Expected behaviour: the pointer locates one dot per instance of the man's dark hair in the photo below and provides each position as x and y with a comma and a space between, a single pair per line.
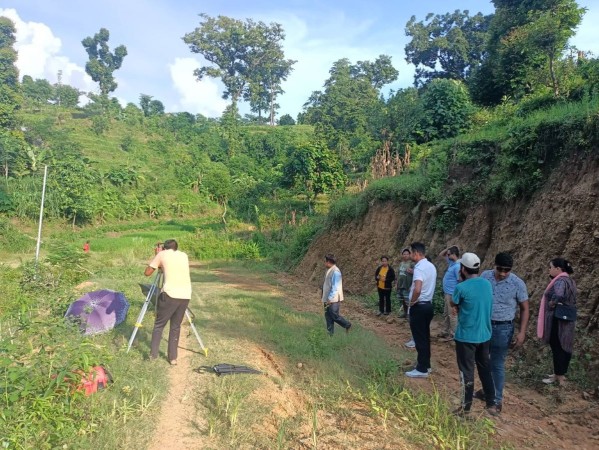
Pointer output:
454, 250
418, 247
563, 264
504, 259
470, 271
170, 244
385, 257
330, 258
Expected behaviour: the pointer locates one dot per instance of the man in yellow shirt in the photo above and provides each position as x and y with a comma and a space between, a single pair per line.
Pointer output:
174, 297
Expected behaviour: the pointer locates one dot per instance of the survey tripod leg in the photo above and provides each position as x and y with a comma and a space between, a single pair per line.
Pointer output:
144, 308
188, 314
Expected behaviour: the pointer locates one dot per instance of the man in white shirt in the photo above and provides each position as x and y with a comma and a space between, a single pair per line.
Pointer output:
332, 295
174, 297
421, 308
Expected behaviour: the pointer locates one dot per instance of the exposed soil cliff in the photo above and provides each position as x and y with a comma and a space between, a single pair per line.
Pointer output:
561, 219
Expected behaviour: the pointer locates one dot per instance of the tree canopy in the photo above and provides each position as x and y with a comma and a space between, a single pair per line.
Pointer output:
446, 45
246, 56
102, 62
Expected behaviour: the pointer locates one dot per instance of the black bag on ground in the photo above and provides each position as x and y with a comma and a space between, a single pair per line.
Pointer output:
564, 312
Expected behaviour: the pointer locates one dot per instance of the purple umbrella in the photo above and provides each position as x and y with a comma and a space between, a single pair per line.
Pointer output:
99, 311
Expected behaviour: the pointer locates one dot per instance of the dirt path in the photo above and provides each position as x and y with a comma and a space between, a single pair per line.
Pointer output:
529, 420
175, 428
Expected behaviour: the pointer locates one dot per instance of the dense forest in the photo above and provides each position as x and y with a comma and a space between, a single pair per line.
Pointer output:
497, 102
479, 81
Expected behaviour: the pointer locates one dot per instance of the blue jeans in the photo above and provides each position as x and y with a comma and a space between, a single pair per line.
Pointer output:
501, 338
332, 316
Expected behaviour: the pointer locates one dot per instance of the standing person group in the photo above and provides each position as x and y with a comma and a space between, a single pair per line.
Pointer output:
479, 315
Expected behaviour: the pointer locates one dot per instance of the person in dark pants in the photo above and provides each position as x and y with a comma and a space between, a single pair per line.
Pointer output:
404, 281
332, 295
557, 330
384, 277
174, 297
473, 303
421, 309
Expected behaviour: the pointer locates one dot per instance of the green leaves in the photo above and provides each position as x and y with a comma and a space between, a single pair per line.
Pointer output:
247, 56
102, 63
446, 46
313, 169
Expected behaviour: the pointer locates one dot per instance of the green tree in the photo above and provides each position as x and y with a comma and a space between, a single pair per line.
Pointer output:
405, 113
38, 91
349, 114
12, 143
446, 46
150, 107
548, 32
66, 95
102, 62
525, 39
313, 169
447, 109
10, 90
286, 119
246, 56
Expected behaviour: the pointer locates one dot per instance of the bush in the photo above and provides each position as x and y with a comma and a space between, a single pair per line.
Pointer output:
12, 240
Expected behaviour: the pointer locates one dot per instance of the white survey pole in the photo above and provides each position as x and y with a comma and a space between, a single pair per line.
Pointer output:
39, 230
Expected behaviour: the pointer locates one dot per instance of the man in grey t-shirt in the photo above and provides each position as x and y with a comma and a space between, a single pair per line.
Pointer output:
509, 295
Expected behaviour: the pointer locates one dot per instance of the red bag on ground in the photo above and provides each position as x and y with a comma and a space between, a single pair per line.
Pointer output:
97, 379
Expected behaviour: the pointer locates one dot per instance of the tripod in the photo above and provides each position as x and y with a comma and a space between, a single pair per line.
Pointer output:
144, 309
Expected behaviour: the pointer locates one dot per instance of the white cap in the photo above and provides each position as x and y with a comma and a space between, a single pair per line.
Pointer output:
470, 260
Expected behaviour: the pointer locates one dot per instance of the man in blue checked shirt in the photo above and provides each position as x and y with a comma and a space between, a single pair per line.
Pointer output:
332, 295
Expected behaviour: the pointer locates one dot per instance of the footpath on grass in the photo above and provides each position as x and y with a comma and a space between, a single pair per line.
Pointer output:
288, 407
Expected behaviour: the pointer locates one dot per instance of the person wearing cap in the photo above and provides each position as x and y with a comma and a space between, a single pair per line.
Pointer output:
332, 295
509, 296
450, 281
421, 309
473, 302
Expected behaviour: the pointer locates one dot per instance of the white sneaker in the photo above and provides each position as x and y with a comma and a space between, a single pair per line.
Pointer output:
410, 344
416, 374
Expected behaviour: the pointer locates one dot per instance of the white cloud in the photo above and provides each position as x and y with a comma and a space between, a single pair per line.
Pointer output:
204, 97
39, 54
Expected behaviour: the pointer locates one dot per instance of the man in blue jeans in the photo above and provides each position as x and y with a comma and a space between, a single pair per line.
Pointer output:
509, 295
332, 296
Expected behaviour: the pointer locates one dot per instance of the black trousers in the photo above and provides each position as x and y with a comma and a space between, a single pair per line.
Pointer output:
421, 315
172, 309
332, 316
561, 358
384, 300
468, 355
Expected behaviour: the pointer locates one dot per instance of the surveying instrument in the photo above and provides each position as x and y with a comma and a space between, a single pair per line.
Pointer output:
151, 294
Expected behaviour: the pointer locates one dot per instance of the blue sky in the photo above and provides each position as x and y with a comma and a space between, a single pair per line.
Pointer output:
49, 35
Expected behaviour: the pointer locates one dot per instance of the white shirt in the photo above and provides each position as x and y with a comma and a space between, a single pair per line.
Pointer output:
426, 272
